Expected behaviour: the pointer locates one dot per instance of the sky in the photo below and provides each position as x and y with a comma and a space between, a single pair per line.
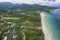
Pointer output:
42, 2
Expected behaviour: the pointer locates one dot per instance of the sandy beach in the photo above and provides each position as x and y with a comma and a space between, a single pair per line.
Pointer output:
45, 28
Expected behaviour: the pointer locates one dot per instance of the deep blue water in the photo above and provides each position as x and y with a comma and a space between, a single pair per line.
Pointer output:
53, 21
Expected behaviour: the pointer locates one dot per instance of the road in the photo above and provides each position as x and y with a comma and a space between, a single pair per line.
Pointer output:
23, 35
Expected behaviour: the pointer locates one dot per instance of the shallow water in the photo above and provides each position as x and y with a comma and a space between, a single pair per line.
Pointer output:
52, 22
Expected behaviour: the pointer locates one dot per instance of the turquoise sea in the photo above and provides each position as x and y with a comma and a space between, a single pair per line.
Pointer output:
52, 19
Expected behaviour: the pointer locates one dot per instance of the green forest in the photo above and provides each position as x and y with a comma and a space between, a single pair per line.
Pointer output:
22, 22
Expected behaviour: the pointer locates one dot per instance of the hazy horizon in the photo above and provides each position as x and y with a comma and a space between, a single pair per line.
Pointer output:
42, 2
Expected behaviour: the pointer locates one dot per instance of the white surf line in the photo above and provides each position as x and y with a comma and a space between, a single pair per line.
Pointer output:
44, 27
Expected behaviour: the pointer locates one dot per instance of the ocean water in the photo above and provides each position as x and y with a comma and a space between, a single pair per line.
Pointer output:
52, 25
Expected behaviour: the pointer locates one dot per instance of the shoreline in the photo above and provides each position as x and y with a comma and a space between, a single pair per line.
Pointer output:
46, 31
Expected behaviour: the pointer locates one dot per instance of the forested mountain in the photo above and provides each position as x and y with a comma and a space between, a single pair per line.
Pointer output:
5, 6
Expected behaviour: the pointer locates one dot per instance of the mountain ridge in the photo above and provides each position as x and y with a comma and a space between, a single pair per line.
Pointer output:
8, 6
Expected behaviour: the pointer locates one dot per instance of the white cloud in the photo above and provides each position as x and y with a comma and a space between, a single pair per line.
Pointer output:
42, 2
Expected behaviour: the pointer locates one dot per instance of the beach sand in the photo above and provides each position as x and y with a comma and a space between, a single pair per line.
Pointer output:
46, 31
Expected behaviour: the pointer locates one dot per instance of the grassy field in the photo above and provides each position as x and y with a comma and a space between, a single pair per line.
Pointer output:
24, 34
12, 18
29, 34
